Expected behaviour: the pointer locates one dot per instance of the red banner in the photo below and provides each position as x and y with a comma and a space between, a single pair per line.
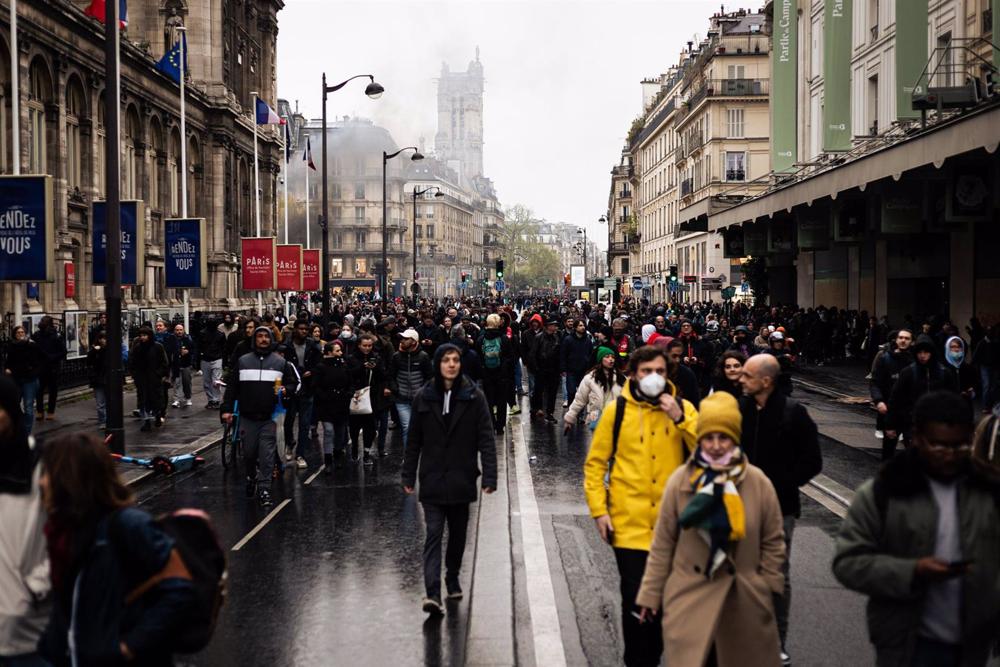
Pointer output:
69, 282
310, 270
257, 257
289, 258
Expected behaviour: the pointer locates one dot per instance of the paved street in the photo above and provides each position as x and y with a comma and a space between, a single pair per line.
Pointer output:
332, 573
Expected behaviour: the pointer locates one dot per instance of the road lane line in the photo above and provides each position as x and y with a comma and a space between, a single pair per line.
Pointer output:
834, 489
825, 500
256, 529
545, 630
314, 476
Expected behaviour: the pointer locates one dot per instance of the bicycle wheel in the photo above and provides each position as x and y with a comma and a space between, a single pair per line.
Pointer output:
236, 446
226, 444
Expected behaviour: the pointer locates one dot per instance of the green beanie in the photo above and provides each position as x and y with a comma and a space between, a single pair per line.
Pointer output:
603, 351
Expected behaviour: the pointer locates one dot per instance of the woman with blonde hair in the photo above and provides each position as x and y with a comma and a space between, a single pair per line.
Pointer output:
717, 552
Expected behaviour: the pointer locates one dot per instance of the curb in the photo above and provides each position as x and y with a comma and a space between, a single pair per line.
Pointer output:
202, 444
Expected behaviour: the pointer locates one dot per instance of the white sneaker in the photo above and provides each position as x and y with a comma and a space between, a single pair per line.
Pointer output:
785, 659
187, 403
176, 404
289, 454
301, 463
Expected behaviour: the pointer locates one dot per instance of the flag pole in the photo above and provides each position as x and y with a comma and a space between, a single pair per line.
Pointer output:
15, 143
284, 174
307, 193
184, 168
256, 191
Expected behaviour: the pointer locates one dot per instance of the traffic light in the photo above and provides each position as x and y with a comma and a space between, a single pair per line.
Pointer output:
499, 269
673, 273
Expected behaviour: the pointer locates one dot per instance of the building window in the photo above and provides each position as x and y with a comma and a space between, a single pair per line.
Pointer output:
360, 266
360, 239
736, 166
338, 267
74, 112
873, 19
429, 212
359, 190
945, 61
359, 215
174, 174
156, 141
38, 96
430, 231
420, 231
336, 241
130, 165
872, 110
734, 123
736, 72
335, 190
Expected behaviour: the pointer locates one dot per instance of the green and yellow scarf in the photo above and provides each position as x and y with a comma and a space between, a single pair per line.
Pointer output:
716, 508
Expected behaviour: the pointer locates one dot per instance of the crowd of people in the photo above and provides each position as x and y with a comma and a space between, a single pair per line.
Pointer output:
697, 453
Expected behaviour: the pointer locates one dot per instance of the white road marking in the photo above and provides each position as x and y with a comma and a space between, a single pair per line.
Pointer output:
545, 629
835, 490
256, 529
314, 476
825, 500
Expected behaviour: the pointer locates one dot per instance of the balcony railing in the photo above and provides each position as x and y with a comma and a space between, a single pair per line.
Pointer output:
874, 31
735, 87
623, 170
735, 175
625, 194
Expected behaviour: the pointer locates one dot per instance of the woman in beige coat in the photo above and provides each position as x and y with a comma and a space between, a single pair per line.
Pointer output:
717, 552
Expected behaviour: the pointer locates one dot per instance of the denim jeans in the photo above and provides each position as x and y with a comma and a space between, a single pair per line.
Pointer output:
572, 384
518, 388
382, 423
29, 390
404, 410
101, 399
335, 436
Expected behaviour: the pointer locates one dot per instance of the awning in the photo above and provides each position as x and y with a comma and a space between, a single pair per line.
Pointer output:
974, 131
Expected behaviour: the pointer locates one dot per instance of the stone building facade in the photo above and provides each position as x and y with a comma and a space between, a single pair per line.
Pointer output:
232, 52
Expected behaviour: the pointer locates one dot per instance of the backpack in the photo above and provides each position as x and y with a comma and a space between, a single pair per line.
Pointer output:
491, 353
616, 430
198, 545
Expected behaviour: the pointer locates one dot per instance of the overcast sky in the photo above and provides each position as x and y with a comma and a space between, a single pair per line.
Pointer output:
562, 80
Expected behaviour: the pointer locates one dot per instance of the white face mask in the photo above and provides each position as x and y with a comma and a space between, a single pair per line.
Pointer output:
652, 385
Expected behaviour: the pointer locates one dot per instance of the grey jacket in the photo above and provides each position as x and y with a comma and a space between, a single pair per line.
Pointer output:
891, 523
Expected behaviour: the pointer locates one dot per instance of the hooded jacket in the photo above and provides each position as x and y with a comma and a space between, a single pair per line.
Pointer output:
445, 450
577, 353
916, 380
650, 447
255, 378
334, 388
965, 376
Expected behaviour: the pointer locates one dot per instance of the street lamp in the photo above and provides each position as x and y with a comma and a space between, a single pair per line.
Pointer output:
415, 287
417, 155
374, 91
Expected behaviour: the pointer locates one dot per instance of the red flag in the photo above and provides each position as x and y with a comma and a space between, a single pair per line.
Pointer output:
97, 8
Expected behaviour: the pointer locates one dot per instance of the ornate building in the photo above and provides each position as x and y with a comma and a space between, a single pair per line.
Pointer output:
460, 119
232, 52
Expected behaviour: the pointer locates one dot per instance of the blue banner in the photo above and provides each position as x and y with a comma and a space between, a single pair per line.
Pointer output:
133, 244
27, 241
185, 266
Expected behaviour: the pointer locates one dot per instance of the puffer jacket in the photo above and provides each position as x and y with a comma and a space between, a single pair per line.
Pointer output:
650, 447
408, 371
891, 523
590, 396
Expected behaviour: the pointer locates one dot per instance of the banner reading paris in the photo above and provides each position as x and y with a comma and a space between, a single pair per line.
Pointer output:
257, 262
186, 265
310, 270
26, 229
289, 267
132, 244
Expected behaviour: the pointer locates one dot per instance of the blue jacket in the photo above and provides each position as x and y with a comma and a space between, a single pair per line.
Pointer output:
577, 354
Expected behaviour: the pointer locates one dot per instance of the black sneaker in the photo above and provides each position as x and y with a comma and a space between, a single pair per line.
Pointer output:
368, 457
549, 419
251, 487
454, 590
433, 606
264, 498
328, 464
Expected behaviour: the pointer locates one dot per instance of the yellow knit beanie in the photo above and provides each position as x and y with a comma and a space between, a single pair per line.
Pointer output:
720, 413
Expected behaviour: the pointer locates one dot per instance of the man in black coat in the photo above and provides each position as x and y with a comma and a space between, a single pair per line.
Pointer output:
54, 348
924, 375
211, 349
546, 358
303, 352
781, 439
885, 372
450, 435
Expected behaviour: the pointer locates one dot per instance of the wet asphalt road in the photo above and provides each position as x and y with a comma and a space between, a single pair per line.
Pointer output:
335, 577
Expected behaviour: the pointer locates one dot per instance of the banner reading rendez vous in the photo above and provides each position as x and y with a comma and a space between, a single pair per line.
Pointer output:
310, 270
257, 262
186, 262
27, 243
289, 267
133, 243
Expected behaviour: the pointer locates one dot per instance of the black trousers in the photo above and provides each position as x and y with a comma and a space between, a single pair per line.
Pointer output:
546, 388
497, 387
357, 423
435, 516
48, 379
643, 641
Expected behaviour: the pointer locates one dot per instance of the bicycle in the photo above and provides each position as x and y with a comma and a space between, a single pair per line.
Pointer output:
232, 442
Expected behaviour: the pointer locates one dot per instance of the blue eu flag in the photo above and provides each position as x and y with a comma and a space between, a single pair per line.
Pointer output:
170, 63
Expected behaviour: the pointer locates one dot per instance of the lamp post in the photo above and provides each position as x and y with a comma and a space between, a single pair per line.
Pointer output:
415, 287
374, 91
383, 272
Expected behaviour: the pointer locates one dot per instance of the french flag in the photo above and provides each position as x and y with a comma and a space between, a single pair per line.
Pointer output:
96, 10
266, 115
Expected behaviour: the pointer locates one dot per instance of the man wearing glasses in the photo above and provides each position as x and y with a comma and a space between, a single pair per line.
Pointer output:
922, 540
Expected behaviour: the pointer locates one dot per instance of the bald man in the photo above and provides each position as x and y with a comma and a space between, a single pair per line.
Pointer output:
781, 439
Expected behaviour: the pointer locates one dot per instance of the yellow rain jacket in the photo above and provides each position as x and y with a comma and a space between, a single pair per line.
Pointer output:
650, 448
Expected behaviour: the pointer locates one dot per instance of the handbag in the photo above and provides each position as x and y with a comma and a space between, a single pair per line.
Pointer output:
361, 403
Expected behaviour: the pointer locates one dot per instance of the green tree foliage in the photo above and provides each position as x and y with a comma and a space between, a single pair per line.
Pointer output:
529, 262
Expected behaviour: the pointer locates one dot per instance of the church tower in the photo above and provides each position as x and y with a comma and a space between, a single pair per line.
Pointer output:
460, 119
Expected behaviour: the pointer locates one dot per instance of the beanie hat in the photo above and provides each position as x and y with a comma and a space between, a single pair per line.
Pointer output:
720, 413
604, 351
647, 331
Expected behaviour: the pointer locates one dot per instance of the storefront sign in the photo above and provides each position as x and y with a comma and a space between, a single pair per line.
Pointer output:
289, 267
911, 55
780, 235
784, 60
902, 211
133, 243
27, 241
310, 270
837, 75
257, 262
754, 240
577, 276
186, 265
